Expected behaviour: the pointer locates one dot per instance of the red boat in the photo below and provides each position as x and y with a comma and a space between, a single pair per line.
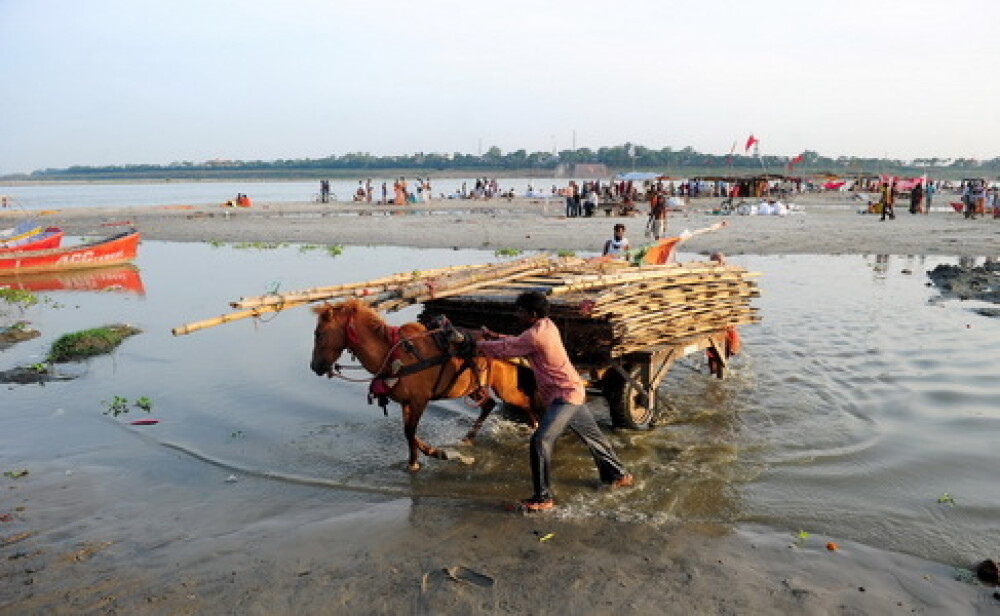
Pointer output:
115, 250
51, 237
120, 279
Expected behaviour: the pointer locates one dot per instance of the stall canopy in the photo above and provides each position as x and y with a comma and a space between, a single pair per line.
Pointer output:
637, 176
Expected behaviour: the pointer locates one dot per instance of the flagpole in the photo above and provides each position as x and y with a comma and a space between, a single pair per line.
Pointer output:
756, 152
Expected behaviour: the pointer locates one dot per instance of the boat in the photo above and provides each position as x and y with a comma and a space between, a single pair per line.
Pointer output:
115, 250
50, 237
22, 230
115, 278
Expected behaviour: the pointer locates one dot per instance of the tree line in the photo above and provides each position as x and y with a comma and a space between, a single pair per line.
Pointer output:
616, 158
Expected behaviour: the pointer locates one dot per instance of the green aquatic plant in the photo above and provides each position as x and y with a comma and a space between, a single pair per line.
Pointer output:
801, 537
566, 253
19, 298
308, 247
335, 250
119, 405
507, 252
89, 342
116, 406
216, 243
946, 499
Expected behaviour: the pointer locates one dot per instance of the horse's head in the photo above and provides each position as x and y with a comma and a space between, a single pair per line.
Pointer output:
331, 336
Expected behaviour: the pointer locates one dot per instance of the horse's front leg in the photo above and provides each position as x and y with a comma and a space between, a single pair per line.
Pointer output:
411, 417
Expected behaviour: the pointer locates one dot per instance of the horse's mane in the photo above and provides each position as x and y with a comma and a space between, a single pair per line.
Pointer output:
366, 316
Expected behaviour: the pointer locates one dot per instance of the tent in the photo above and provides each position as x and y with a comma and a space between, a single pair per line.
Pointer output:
637, 176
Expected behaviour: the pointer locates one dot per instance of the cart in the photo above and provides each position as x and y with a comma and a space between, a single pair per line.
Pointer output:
626, 369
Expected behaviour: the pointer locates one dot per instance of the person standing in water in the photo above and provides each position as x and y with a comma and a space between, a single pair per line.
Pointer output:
561, 391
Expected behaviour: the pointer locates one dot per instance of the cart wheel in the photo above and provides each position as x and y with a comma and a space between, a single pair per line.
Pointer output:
629, 408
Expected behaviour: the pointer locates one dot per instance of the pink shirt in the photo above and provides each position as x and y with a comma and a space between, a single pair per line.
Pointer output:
541, 345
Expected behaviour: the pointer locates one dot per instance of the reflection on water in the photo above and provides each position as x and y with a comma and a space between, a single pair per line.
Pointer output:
119, 279
857, 402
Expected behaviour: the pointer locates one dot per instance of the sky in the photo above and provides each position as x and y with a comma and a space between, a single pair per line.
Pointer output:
113, 82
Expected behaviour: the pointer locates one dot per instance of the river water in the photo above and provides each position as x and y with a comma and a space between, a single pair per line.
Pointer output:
57, 196
859, 402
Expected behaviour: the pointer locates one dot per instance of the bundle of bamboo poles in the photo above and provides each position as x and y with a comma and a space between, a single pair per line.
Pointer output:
604, 309
615, 310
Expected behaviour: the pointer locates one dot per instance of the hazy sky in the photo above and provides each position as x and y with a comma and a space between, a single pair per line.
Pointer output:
94, 82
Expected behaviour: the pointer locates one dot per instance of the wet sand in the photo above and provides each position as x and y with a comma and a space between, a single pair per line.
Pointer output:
99, 540
346, 554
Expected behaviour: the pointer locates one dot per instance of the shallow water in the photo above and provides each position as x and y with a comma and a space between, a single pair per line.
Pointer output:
858, 402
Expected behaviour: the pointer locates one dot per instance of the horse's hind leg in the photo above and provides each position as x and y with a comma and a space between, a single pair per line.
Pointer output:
486, 407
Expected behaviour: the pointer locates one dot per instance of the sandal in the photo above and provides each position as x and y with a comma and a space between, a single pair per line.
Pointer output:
537, 504
625, 481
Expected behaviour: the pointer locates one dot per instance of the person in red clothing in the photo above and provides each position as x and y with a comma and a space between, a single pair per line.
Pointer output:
561, 391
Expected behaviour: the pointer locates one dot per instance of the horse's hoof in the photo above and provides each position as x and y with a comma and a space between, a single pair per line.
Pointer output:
413, 468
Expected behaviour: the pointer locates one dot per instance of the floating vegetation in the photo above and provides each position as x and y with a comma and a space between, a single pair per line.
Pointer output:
259, 245
89, 342
17, 332
335, 250
119, 405
308, 247
566, 253
216, 243
19, 298
507, 252
116, 406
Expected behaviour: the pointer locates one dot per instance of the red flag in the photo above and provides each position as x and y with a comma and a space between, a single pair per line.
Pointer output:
750, 141
798, 159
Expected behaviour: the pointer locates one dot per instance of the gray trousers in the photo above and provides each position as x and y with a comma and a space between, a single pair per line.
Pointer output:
578, 418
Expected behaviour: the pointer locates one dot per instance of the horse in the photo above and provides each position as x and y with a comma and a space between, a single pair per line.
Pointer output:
413, 365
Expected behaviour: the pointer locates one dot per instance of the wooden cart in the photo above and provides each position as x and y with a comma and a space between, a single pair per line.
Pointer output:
623, 331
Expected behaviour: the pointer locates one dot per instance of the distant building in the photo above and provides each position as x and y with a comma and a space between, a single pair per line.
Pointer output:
590, 170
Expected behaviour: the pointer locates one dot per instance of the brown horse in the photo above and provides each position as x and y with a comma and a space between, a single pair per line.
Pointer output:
410, 367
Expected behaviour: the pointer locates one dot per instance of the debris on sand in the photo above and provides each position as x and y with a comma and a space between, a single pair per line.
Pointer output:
968, 282
988, 573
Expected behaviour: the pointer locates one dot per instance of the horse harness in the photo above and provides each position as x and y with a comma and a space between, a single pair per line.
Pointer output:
393, 368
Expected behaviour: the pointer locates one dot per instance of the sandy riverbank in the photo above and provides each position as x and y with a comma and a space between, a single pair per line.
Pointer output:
830, 224
102, 541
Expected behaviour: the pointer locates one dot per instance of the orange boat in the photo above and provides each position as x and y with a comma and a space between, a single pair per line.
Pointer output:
116, 250
121, 279
51, 237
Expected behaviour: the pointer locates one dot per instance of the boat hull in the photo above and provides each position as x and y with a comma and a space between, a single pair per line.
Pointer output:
115, 250
49, 238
